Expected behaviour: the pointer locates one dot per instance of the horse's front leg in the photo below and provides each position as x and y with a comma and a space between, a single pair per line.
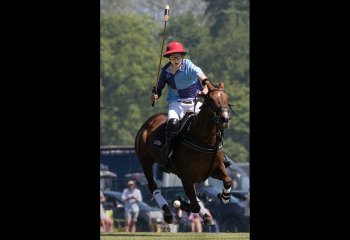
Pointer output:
196, 205
162, 203
221, 174
191, 194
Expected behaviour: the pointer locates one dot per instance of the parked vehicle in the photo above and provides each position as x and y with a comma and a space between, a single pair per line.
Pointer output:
240, 178
106, 177
230, 217
123, 160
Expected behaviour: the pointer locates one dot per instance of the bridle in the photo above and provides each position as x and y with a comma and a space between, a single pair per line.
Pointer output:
214, 111
217, 110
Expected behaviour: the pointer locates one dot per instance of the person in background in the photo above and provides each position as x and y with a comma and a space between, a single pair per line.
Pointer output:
195, 222
131, 196
106, 222
183, 221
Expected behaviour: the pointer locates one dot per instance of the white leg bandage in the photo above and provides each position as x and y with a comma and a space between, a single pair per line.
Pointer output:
202, 211
227, 191
159, 198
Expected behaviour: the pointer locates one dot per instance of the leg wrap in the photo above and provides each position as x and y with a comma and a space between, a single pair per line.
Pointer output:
202, 211
227, 190
225, 196
159, 198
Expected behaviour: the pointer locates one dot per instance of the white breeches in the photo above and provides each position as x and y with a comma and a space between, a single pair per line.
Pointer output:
178, 109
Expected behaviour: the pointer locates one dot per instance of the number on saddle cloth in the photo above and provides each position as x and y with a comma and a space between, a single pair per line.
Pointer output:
159, 137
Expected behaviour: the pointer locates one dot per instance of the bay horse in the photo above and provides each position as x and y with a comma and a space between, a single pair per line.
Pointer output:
196, 156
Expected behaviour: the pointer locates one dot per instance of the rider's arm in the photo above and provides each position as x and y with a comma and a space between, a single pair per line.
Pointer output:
139, 196
197, 71
161, 84
124, 197
202, 77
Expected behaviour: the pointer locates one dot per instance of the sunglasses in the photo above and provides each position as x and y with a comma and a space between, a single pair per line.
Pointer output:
175, 58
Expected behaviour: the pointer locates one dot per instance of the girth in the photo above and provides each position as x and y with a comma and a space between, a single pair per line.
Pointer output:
208, 149
186, 140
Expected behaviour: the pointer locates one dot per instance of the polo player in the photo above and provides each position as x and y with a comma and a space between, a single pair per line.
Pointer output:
184, 84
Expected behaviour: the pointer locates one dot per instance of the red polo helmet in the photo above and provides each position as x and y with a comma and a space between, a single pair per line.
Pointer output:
174, 47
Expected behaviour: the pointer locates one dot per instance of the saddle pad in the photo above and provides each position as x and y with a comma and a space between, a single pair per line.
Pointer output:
158, 138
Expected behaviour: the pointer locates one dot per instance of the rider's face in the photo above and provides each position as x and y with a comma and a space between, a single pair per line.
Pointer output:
175, 59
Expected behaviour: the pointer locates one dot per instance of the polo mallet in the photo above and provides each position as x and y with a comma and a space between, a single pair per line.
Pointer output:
166, 18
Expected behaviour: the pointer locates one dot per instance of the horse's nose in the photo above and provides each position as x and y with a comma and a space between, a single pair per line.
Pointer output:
224, 119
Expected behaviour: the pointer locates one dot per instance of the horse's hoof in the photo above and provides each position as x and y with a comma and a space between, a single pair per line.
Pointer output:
208, 220
168, 216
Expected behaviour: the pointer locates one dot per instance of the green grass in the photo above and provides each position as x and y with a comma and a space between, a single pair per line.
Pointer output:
176, 236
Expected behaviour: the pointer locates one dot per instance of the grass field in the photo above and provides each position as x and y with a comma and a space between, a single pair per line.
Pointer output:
176, 236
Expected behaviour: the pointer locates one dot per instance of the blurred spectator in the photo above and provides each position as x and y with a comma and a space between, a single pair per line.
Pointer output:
131, 195
106, 222
195, 222
182, 218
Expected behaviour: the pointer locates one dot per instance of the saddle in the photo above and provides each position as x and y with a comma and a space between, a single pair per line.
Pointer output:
159, 138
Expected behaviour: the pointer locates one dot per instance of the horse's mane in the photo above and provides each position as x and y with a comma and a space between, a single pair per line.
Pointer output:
215, 85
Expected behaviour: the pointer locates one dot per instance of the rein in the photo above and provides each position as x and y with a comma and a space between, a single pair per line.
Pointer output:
207, 148
219, 133
216, 118
189, 142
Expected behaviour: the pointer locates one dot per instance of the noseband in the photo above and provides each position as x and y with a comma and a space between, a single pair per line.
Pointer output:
216, 116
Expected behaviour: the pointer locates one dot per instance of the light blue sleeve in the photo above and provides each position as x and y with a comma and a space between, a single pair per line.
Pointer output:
193, 69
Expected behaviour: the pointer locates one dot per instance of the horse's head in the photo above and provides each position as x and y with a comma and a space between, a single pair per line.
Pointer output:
216, 100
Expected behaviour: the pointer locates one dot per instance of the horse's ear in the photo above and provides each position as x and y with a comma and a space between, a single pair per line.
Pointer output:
210, 87
221, 85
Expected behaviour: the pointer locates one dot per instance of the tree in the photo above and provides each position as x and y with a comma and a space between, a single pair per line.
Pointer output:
128, 63
216, 35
